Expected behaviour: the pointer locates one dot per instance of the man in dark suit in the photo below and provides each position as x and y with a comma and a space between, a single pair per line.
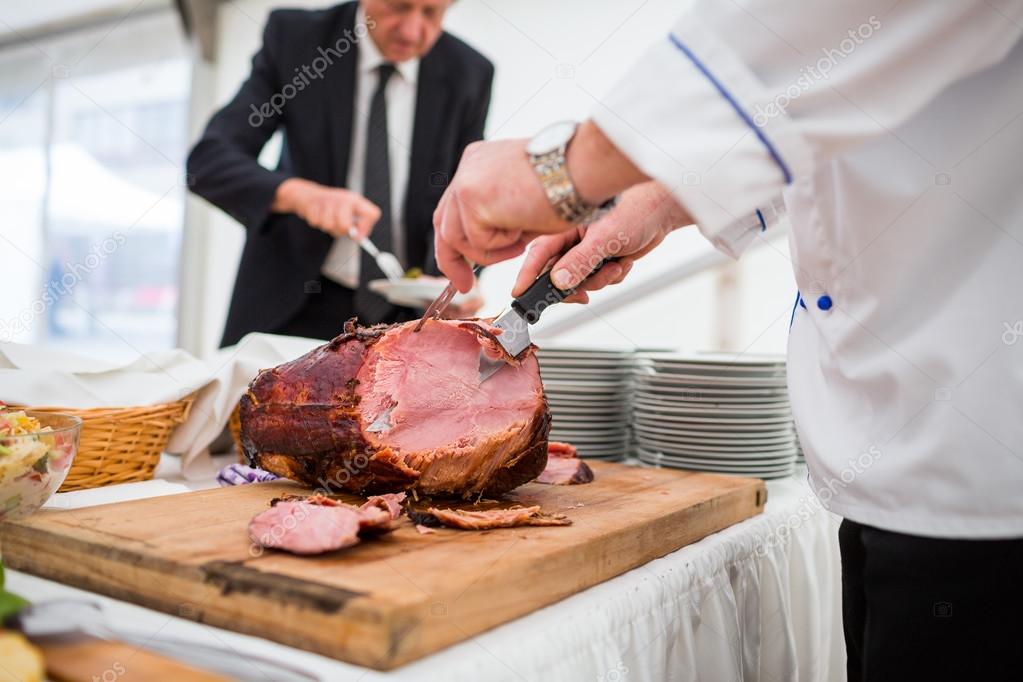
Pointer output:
376, 104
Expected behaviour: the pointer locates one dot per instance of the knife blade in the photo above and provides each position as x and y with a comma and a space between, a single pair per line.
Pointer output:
525, 310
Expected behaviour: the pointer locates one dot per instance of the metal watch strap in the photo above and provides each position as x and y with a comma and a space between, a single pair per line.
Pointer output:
561, 191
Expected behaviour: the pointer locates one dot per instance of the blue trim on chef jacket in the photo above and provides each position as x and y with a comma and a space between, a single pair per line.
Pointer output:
735, 105
763, 223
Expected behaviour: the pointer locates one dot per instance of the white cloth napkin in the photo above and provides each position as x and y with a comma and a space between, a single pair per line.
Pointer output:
38, 375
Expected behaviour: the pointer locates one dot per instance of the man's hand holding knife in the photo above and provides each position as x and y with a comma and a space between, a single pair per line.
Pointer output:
496, 204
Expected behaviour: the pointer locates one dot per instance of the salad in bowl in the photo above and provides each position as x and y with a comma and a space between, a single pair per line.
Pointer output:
36, 450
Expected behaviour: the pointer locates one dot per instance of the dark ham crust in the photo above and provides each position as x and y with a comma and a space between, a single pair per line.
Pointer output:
301, 420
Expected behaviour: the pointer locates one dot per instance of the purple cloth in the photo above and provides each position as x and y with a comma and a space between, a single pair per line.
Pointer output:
238, 474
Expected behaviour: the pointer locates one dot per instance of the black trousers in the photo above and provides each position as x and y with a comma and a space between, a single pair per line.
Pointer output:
917, 608
326, 311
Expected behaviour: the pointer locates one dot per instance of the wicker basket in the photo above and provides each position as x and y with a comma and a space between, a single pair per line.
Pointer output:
120, 444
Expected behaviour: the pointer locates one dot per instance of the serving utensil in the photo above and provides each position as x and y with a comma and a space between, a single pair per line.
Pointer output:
388, 262
514, 321
441, 303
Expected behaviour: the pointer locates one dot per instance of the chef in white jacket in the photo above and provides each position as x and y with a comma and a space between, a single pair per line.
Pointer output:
892, 133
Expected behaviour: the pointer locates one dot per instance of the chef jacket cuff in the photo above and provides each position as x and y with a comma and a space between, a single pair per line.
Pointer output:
687, 115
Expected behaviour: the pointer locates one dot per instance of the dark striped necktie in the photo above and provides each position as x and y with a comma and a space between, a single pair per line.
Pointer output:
376, 183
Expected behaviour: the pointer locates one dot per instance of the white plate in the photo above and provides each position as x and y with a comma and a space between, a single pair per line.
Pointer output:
753, 430
579, 398
783, 438
584, 363
717, 451
736, 411
648, 375
644, 387
645, 405
780, 463
414, 293
703, 370
576, 407
720, 416
599, 385
711, 358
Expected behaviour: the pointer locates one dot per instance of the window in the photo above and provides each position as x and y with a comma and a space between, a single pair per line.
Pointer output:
93, 133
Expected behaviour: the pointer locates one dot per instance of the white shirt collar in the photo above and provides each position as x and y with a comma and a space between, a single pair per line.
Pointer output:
370, 57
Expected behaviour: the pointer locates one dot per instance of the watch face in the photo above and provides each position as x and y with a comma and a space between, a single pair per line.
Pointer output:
551, 138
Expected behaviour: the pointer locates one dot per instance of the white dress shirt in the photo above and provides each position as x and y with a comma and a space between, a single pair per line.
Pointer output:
894, 133
342, 263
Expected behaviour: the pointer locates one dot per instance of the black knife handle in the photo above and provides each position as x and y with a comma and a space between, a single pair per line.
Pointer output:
542, 294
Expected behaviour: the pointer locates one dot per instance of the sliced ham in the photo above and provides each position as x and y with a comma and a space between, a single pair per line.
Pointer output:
497, 518
318, 523
389, 502
303, 528
386, 409
564, 467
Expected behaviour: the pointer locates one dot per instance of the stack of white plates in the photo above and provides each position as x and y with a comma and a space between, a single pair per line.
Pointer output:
714, 412
588, 392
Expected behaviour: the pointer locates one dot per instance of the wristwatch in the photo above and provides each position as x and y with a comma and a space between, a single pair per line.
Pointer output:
547, 155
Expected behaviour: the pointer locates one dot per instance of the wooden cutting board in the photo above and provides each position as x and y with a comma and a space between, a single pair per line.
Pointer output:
388, 600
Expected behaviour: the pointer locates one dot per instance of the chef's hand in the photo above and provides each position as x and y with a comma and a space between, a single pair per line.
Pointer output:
330, 209
495, 204
644, 216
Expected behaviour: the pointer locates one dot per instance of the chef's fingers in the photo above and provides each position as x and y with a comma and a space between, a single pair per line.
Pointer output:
453, 264
449, 244
541, 252
608, 274
579, 262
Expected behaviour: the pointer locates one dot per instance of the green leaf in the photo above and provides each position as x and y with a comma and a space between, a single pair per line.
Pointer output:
10, 604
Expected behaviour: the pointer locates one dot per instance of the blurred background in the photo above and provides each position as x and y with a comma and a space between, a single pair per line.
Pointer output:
104, 252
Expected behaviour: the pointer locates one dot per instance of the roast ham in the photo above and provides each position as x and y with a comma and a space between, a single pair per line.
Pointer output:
386, 409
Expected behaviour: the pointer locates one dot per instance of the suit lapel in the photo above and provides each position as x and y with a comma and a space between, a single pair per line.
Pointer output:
432, 95
338, 114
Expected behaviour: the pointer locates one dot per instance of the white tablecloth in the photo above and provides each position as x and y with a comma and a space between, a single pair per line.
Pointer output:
757, 601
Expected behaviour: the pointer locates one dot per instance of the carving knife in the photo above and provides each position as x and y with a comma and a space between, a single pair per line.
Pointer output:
515, 320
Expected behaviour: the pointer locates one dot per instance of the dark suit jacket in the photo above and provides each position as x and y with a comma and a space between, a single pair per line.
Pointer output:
283, 253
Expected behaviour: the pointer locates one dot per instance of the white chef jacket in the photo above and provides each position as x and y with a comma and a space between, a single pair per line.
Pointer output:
343, 260
894, 134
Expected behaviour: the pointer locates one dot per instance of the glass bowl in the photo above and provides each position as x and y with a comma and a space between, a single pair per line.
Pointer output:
33, 465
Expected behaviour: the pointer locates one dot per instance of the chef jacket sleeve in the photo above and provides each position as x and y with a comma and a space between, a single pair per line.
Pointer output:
740, 99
